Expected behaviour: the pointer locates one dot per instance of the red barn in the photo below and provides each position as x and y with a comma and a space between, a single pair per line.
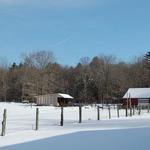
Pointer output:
137, 96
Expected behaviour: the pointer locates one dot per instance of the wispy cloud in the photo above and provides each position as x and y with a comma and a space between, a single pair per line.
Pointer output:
9, 2
49, 2
55, 3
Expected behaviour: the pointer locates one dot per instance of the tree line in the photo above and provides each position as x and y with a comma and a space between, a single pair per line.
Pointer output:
102, 79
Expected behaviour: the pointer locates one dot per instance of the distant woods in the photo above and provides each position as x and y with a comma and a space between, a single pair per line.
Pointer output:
102, 79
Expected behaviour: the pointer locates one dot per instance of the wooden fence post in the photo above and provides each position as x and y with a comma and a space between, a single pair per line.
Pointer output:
98, 112
148, 109
109, 112
133, 110
139, 110
80, 114
118, 111
114, 106
37, 119
130, 111
62, 116
4, 123
126, 111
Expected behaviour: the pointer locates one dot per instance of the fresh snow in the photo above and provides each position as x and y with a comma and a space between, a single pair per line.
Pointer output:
118, 133
142, 93
65, 95
135, 139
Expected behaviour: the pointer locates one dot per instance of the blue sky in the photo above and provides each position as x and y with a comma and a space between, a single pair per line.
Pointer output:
74, 28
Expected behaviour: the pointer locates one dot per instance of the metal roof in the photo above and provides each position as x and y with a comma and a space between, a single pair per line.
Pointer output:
65, 96
137, 93
60, 95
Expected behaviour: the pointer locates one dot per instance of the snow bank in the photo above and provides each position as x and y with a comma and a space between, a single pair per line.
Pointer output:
135, 139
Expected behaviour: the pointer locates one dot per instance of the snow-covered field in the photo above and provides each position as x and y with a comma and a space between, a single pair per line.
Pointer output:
118, 133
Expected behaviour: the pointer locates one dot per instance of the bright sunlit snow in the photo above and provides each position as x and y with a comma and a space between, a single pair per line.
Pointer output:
118, 133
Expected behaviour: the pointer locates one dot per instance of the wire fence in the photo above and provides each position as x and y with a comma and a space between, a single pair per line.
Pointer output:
26, 118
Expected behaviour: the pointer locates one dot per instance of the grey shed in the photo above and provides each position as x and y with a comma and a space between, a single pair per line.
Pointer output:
57, 99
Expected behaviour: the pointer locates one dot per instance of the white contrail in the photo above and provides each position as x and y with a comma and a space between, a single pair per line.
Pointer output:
62, 42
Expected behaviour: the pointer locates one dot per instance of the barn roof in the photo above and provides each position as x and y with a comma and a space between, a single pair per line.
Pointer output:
137, 93
65, 96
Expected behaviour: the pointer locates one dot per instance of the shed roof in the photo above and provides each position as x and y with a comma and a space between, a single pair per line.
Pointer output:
59, 95
137, 93
65, 96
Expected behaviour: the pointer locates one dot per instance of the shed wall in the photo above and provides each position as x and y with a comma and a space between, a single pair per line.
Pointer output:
47, 100
134, 101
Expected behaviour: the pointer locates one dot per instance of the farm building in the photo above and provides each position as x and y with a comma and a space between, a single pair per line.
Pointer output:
137, 97
57, 99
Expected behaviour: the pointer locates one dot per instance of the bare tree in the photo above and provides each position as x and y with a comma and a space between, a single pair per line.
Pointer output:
3, 78
39, 59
